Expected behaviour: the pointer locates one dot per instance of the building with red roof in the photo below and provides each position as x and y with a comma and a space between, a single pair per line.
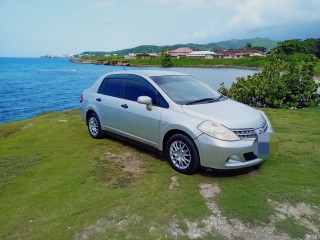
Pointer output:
180, 52
240, 53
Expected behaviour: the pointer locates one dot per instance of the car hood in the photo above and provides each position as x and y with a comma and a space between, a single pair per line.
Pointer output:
229, 113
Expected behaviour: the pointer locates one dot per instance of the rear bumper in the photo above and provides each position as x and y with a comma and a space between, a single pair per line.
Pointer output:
83, 112
220, 154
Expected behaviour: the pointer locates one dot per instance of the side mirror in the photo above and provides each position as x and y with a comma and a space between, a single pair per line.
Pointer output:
145, 100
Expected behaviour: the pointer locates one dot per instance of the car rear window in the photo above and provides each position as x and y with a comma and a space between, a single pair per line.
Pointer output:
112, 87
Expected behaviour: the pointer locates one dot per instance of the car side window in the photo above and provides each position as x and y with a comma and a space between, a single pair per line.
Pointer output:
102, 88
136, 87
112, 86
162, 102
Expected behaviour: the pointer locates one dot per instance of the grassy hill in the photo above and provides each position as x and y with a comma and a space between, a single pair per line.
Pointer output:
58, 183
215, 46
239, 44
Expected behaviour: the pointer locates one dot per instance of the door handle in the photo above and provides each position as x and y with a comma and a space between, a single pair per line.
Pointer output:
124, 105
98, 99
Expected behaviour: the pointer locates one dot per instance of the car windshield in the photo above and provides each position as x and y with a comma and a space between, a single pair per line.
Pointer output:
185, 89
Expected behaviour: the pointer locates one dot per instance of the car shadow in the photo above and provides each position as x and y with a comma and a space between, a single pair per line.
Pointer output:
137, 146
221, 173
159, 155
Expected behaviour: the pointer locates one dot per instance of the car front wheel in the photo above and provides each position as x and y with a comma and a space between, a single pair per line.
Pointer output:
182, 154
94, 126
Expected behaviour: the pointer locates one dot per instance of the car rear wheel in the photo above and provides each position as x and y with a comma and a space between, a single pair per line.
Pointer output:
94, 126
182, 154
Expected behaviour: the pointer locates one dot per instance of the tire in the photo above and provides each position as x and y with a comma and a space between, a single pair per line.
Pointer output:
94, 126
182, 154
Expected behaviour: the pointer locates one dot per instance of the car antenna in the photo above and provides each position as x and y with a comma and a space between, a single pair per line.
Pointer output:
124, 68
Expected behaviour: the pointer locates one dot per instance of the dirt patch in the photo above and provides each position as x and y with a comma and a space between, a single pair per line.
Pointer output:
102, 225
232, 228
209, 190
128, 161
174, 182
26, 126
173, 230
117, 169
98, 227
123, 224
305, 214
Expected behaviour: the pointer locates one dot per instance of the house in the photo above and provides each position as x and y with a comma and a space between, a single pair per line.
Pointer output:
240, 53
201, 54
153, 54
140, 55
130, 56
180, 52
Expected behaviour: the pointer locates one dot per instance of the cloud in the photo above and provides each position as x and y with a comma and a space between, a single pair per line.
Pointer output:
252, 14
213, 29
247, 16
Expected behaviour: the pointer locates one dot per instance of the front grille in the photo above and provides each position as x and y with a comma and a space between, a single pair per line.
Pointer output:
264, 127
249, 132
245, 133
249, 156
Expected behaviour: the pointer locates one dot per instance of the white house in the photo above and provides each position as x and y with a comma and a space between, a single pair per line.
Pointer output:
130, 56
201, 54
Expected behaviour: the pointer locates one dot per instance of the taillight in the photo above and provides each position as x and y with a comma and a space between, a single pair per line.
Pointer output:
81, 98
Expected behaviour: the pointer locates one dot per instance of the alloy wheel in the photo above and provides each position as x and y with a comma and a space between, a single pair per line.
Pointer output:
180, 154
93, 126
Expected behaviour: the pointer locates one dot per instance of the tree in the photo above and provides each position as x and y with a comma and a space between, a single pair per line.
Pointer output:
308, 46
167, 61
164, 51
248, 46
289, 47
259, 48
281, 84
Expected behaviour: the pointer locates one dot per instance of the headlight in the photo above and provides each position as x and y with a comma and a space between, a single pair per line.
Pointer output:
218, 131
270, 128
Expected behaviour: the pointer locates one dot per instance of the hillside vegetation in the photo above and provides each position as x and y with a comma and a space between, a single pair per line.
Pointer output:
58, 183
289, 51
215, 46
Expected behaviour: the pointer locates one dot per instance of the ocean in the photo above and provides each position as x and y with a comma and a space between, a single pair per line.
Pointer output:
32, 86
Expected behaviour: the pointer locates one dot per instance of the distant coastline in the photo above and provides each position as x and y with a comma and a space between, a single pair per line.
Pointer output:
120, 63
57, 56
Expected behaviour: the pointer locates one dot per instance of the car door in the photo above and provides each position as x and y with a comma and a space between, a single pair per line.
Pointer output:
139, 122
108, 102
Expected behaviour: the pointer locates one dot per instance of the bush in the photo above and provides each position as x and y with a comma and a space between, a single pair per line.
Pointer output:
167, 61
281, 84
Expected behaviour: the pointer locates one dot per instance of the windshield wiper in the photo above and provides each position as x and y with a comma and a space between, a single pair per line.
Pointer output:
221, 96
202, 100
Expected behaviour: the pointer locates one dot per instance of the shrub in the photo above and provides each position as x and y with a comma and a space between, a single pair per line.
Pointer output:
281, 84
167, 61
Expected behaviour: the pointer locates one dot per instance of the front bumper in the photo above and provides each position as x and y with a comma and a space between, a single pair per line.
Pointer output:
218, 154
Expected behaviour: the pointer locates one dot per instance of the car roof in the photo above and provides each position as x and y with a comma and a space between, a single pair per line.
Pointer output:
149, 73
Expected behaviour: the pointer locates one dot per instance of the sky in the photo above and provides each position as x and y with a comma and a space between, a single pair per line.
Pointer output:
31, 28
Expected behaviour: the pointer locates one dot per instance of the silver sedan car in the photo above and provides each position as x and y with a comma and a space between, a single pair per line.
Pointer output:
178, 114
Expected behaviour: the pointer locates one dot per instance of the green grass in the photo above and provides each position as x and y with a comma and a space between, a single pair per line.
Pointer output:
294, 229
58, 183
248, 62
317, 71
